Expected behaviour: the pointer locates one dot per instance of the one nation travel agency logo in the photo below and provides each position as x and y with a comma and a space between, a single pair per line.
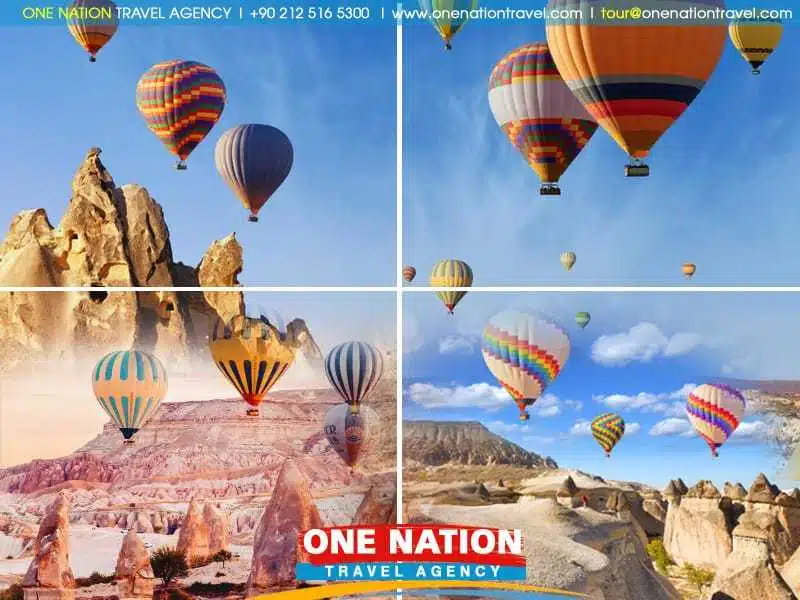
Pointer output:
411, 553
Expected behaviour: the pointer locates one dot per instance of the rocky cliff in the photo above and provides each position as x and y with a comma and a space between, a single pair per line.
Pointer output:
109, 236
436, 443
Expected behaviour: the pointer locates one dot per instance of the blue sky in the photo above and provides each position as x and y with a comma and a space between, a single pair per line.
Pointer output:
721, 190
330, 88
636, 357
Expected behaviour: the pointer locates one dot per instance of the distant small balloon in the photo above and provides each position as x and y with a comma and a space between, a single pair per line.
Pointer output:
607, 430
756, 39
451, 273
568, 260
409, 273
351, 434
582, 319
92, 23
689, 270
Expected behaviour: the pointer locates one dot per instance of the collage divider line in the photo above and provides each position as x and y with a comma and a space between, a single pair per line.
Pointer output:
399, 290
398, 344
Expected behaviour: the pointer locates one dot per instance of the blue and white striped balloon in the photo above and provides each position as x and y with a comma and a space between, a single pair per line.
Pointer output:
354, 369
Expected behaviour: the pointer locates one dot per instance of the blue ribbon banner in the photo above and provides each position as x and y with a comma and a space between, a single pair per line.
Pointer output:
408, 572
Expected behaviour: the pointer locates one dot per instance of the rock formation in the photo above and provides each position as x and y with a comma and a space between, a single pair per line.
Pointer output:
49, 575
436, 443
748, 572
204, 531
697, 528
378, 506
133, 572
735, 492
108, 237
276, 550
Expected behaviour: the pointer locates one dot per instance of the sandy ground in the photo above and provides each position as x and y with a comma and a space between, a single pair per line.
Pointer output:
96, 549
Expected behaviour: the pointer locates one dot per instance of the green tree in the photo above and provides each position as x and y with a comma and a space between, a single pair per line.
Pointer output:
658, 554
222, 556
699, 578
168, 564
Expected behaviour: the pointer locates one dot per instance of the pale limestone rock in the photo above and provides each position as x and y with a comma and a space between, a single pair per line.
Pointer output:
50, 567
134, 574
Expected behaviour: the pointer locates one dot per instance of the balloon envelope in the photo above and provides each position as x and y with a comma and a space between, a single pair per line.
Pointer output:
353, 370
538, 112
568, 260
689, 269
636, 77
92, 23
582, 319
607, 430
448, 16
715, 411
129, 385
181, 101
351, 434
254, 160
756, 39
251, 355
451, 273
409, 273
525, 353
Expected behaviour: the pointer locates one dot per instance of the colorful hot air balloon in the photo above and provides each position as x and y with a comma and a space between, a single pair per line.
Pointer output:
568, 260
354, 369
92, 23
525, 353
636, 77
129, 385
688, 269
451, 273
539, 113
409, 273
756, 39
607, 430
715, 411
448, 16
252, 355
181, 101
351, 435
582, 319
254, 160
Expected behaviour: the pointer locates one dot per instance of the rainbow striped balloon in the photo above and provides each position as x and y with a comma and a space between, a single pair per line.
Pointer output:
525, 353
715, 411
129, 386
181, 101
607, 430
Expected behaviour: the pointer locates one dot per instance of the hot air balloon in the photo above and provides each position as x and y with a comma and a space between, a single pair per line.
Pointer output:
756, 39
451, 273
568, 260
92, 23
409, 273
254, 160
607, 430
252, 354
689, 269
129, 385
539, 113
525, 353
448, 16
582, 319
354, 369
715, 412
636, 77
181, 101
351, 435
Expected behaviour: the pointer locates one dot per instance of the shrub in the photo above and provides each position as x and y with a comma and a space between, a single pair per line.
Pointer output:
697, 577
14, 592
215, 589
9, 557
222, 556
168, 564
200, 561
658, 554
94, 579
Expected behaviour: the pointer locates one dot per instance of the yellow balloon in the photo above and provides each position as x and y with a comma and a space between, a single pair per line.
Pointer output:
689, 269
756, 40
451, 273
252, 355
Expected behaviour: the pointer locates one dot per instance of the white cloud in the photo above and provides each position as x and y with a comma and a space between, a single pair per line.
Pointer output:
632, 428
667, 403
753, 431
502, 428
672, 426
581, 428
641, 343
575, 405
546, 406
538, 440
477, 395
456, 344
